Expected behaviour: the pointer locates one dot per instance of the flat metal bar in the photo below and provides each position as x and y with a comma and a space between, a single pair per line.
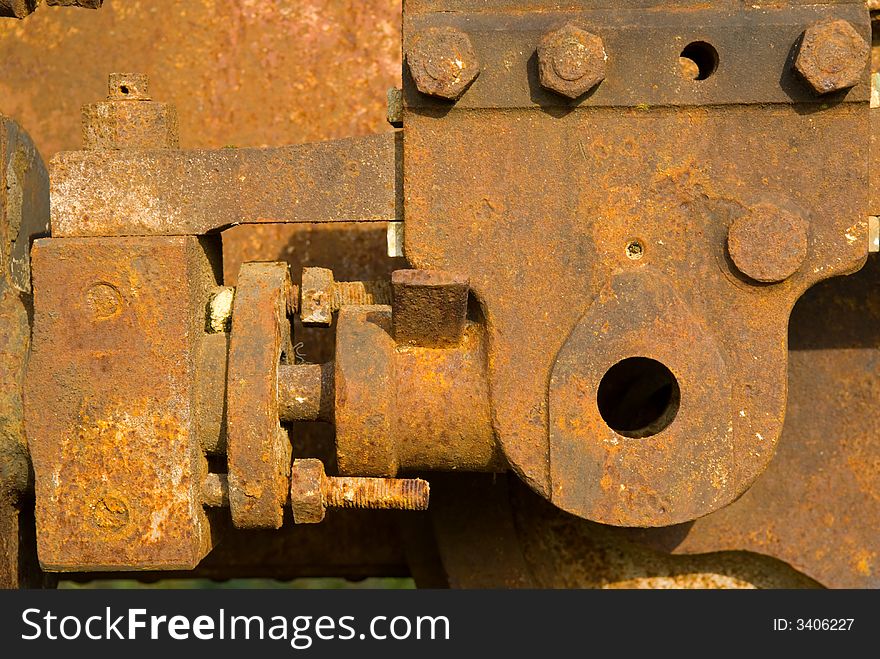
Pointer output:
178, 192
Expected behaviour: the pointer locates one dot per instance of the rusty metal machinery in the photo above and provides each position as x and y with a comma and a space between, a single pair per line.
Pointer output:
611, 336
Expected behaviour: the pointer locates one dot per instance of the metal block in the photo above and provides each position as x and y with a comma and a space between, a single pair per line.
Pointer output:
109, 400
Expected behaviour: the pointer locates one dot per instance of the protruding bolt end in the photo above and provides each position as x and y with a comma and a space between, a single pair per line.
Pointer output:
873, 234
395, 107
442, 62
832, 56
571, 61
312, 492
768, 244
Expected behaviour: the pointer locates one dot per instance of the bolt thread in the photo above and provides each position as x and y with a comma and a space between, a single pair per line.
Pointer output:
376, 493
361, 292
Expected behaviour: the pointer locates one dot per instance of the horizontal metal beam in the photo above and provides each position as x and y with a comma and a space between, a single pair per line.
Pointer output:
177, 192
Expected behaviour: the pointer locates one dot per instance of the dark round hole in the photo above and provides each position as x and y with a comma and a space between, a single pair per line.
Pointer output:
638, 397
698, 60
124, 89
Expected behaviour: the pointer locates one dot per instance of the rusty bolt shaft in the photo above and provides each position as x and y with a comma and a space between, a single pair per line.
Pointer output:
376, 493
312, 492
321, 295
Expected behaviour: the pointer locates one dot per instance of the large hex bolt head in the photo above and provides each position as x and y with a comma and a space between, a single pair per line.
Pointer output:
571, 61
768, 244
442, 62
832, 56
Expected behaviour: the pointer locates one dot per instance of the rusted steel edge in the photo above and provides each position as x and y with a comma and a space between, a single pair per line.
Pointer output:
193, 192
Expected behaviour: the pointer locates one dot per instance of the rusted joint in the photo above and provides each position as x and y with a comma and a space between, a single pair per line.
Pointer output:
306, 392
312, 492
321, 295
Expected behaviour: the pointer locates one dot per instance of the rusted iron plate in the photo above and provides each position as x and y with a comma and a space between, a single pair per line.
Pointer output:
258, 449
642, 49
118, 464
589, 185
642, 475
172, 192
818, 504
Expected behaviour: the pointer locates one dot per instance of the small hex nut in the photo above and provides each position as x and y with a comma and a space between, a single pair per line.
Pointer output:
832, 56
442, 62
306, 491
571, 61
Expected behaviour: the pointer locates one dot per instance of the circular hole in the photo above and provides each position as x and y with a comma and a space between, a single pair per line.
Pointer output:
124, 89
698, 60
638, 397
635, 250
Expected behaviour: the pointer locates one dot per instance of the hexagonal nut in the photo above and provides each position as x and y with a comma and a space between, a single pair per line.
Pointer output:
316, 296
832, 56
571, 61
442, 62
306, 491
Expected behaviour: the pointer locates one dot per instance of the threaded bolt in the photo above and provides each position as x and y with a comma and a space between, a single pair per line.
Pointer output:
321, 295
312, 492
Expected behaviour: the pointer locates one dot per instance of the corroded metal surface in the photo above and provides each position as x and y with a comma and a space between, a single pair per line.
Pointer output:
767, 243
817, 504
24, 205
571, 60
305, 392
524, 542
312, 492
832, 56
129, 118
257, 447
430, 308
171, 192
118, 463
403, 407
442, 62
245, 72
537, 176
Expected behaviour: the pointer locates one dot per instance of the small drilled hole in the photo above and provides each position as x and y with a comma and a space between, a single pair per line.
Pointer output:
635, 250
124, 89
698, 60
638, 397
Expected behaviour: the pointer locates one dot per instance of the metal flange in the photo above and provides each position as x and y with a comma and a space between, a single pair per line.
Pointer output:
258, 449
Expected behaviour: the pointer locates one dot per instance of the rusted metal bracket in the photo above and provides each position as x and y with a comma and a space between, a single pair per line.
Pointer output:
666, 248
